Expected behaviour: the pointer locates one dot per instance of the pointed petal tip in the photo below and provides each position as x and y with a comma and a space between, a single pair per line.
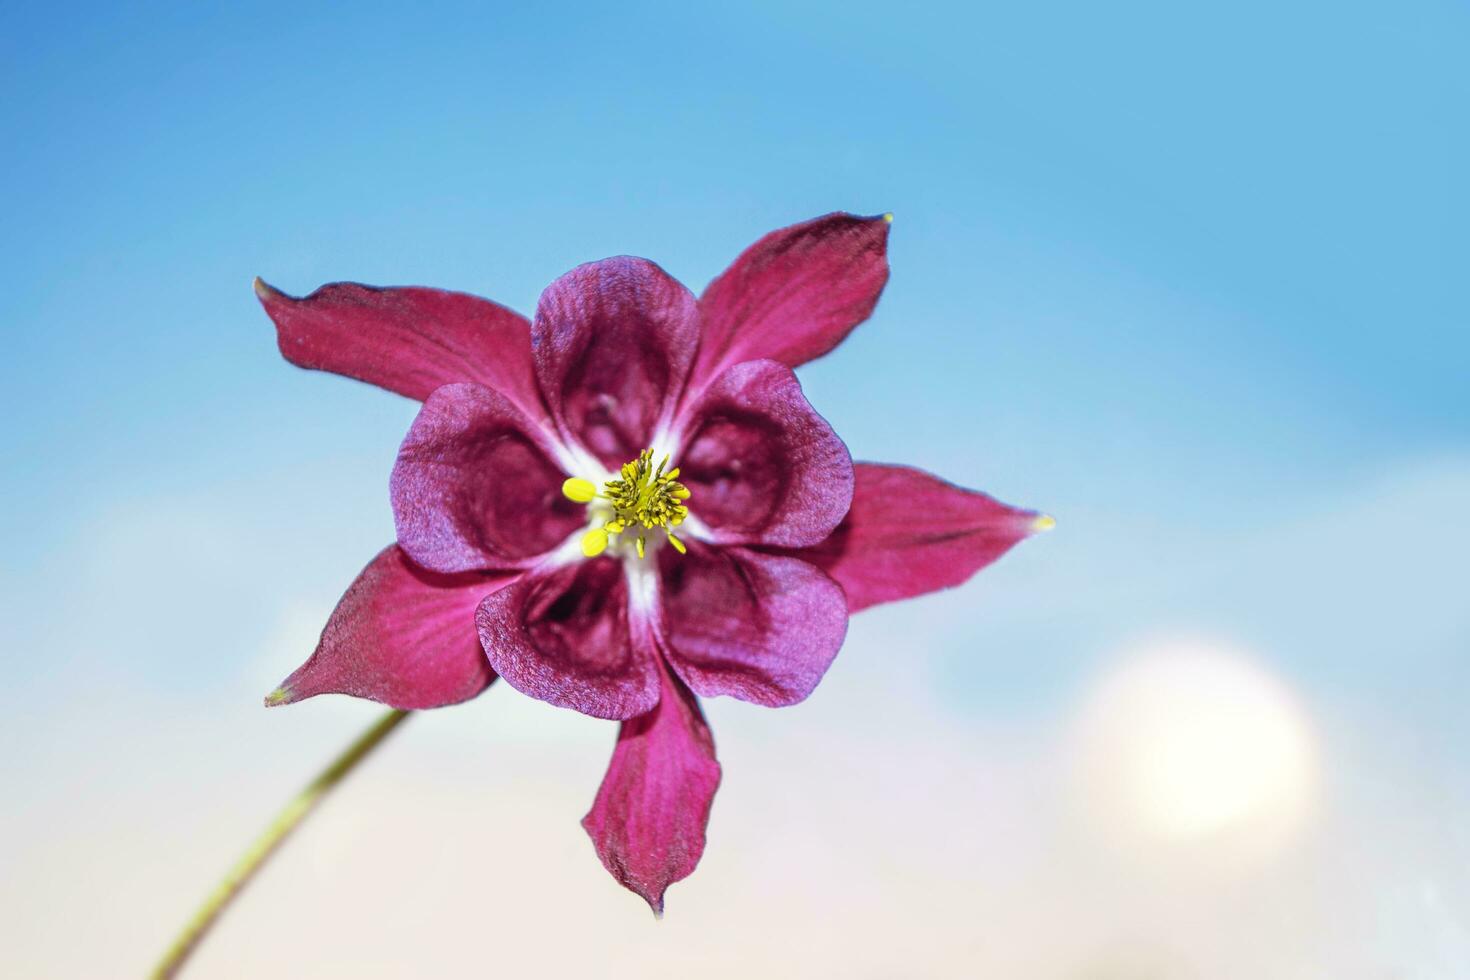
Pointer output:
1042, 523
887, 217
655, 900
264, 290
281, 695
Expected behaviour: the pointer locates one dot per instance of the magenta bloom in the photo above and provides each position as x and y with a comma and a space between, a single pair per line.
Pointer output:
627, 502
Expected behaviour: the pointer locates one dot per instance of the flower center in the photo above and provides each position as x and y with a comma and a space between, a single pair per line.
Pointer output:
641, 497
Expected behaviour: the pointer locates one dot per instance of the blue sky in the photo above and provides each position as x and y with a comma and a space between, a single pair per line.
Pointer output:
1190, 279
1199, 266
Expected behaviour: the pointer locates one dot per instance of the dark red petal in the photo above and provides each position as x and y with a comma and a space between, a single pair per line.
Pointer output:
564, 637
648, 820
410, 340
402, 636
795, 294
762, 466
762, 628
474, 488
909, 533
612, 343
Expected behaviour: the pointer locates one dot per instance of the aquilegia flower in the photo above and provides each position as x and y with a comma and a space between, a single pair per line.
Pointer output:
628, 502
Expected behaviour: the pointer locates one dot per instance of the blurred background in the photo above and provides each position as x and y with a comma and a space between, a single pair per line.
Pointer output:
1191, 279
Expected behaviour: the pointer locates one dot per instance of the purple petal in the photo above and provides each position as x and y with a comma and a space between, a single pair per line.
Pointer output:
909, 533
763, 467
793, 295
474, 488
648, 820
410, 340
612, 342
564, 637
402, 636
762, 628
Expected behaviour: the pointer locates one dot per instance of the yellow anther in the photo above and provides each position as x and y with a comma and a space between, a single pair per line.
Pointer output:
582, 491
1043, 522
644, 496
594, 542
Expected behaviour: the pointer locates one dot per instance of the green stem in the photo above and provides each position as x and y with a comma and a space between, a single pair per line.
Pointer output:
264, 845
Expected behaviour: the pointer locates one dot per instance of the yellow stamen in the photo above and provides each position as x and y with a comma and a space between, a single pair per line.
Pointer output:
594, 542
1043, 522
644, 496
582, 491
